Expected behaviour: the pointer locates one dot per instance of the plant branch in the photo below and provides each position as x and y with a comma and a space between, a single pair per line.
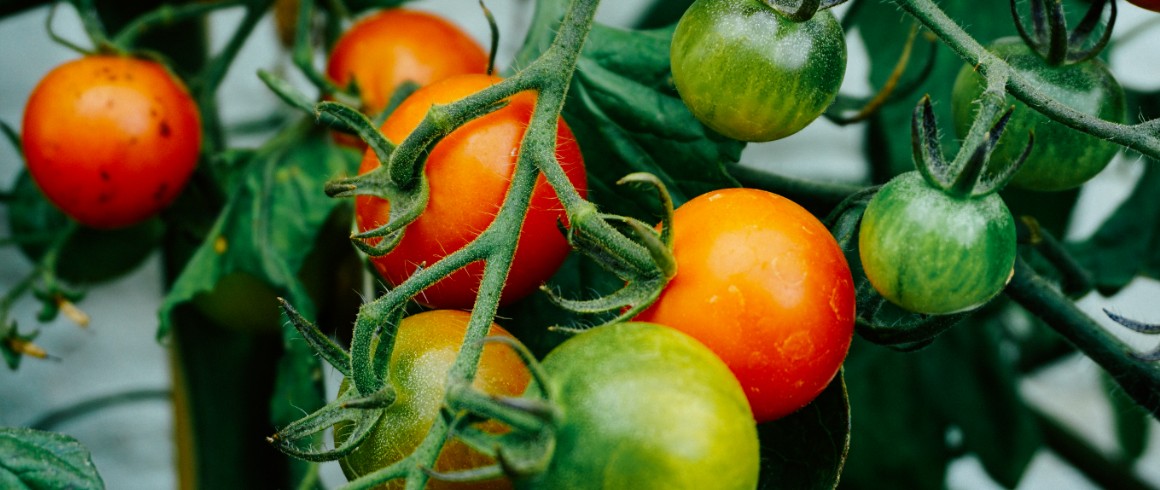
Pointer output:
1138, 378
1138, 137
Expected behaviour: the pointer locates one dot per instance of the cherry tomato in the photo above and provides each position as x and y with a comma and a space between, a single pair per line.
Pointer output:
392, 46
469, 172
646, 407
750, 74
425, 348
111, 140
1062, 158
929, 252
1153, 5
765, 286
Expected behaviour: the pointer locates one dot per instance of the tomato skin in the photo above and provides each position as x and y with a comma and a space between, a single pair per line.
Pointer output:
468, 173
392, 46
111, 140
765, 286
932, 253
750, 74
1153, 5
1062, 158
425, 349
646, 407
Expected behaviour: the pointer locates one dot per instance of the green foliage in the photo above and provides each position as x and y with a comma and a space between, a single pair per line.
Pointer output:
34, 460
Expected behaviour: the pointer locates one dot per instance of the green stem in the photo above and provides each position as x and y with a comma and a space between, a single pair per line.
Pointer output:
51, 420
1100, 469
205, 85
1136, 137
808, 193
165, 15
1138, 378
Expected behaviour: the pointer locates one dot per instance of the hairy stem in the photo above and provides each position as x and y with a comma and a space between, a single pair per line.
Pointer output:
1136, 137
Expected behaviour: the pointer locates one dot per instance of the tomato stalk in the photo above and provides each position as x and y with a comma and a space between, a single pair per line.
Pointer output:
1138, 377
1141, 137
164, 15
1075, 281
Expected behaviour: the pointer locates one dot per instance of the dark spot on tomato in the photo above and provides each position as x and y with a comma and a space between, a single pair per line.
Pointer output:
104, 198
105, 176
159, 194
165, 129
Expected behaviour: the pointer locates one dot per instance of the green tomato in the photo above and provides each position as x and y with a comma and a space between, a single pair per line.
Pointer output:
750, 74
929, 252
646, 407
1062, 158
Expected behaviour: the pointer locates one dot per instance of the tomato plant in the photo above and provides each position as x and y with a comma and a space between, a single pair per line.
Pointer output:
764, 285
393, 46
468, 173
425, 348
643, 406
933, 253
750, 73
1153, 5
111, 140
1062, 157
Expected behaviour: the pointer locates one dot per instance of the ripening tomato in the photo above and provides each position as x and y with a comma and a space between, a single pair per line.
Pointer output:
111, 140
763, 283
425, 349
648, 408
750, 73
390, 47
469, 172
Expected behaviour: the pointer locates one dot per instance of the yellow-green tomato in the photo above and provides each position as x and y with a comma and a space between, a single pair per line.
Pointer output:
929, 252
425, 348
751, 74
646, 407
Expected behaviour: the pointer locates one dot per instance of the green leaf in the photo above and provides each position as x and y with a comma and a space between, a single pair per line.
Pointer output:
1127, 244
33, 459
1133, 424
977, 391
89, 256
896, 440
276, 213
807, 449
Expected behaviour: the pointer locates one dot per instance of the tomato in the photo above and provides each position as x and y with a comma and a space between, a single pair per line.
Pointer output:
1153, 5
425, 348
750, 74
646, 407
111, 140
469, 172
765, 286
1062, 158
929, 252
392, 46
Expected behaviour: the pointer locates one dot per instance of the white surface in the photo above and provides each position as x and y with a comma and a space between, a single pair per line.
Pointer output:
132, 445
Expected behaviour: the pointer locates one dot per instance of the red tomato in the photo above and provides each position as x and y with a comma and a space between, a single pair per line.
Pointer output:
384, 50
111, 140
763, 284
1153, 5
469, 172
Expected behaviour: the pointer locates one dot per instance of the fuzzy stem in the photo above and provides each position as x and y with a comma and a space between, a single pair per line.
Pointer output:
1135, 137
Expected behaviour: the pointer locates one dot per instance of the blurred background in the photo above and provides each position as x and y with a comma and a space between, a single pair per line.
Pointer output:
117, 354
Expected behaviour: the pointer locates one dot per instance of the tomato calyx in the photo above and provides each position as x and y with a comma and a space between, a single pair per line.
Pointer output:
644, 277
801, 10
1051, 39
965, 177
